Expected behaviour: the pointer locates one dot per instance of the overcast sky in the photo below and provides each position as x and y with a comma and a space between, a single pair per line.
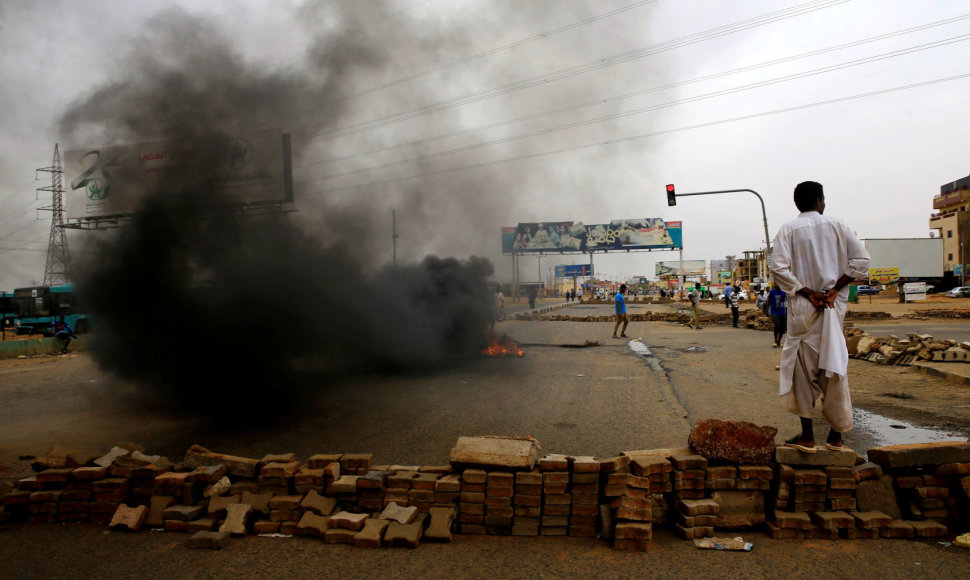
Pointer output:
601, 94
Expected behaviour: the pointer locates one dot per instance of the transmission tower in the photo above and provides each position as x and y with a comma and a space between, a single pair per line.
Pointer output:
58, 268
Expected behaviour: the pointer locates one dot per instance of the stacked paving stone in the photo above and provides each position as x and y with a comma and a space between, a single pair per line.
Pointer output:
556, 496
585, 489
527, 503
930, 482
696, 518
471, 502
907, 491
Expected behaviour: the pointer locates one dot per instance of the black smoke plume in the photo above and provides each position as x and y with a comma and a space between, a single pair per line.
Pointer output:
228, 314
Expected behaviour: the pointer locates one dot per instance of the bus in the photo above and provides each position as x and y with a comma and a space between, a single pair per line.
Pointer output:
37, 308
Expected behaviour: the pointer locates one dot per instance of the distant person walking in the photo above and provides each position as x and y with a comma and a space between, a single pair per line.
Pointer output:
621, 313
815, 258
695, 304
732, 303
778, 307
532, 299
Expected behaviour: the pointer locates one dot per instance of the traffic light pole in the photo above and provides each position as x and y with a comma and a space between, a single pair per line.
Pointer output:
764, 214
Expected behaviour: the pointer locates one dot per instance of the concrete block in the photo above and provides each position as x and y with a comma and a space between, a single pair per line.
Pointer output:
206, 473
404, 535
339, 536
131, 518
928, 529
258, 501
237, 516
878, 495
156, 510
235, 465
184, 513
821, 458
219, 504
318, 504
920, 454
399, 514
347, 520
312, 524
372, 534
515, 454
108, 458
740, 509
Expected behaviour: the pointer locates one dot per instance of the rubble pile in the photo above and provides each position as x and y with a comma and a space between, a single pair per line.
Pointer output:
506, 486
893, 350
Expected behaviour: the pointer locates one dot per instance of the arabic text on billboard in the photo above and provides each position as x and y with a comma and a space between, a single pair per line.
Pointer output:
626, 234
112, 181
883, 275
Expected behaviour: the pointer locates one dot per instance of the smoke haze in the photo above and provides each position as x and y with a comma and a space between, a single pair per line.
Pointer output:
227, 313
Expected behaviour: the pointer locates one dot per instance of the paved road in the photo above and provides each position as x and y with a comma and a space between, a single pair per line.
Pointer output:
958, 331
592, 400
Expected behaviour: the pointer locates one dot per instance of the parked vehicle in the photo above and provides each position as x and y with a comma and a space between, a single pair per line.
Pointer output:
958, 292
37, 308
862, 290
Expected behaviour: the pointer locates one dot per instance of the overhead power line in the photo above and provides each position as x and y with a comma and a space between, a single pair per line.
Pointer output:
505, 47
641, 110
720, 31
645, 135
629, 95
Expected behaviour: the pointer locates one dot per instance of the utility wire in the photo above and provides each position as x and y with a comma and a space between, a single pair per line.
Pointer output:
581, 69
646, 135
487, 53
638, 111
597, 102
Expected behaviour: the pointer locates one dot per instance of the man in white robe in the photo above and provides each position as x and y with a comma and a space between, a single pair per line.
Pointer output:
814, 259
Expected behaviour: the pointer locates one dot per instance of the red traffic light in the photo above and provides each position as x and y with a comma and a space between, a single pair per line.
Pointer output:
671, 195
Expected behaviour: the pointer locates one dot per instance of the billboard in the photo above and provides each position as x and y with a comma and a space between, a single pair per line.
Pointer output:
572, 270
883, 275
247, 168
678, 268
567, 237
914, 257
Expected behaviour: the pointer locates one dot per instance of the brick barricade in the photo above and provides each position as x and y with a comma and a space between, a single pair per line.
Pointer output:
346, 498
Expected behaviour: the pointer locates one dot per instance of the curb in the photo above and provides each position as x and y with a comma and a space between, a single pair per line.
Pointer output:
935, 372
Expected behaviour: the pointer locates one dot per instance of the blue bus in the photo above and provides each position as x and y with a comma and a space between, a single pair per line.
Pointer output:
37, 308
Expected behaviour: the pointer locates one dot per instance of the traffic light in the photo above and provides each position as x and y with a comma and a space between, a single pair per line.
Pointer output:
671, 196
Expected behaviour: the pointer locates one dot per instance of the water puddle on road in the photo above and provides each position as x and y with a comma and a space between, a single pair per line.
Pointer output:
644, 352
888, 431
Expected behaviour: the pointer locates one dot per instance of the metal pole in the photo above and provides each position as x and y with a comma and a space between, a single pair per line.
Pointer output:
764, 214
394, 235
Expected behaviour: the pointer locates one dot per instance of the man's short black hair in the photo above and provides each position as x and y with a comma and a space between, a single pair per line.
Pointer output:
622, 287
807, 194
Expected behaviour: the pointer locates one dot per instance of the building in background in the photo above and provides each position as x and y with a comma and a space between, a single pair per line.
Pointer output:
951, 220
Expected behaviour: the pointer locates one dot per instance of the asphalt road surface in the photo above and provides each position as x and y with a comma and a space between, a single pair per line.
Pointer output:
576, 390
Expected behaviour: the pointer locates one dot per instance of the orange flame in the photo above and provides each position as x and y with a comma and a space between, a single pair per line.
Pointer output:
502, 346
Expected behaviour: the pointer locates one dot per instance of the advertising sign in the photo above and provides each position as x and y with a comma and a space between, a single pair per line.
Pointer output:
572, 270
690, 268
914, 291
245, 168
567, 237
883, 275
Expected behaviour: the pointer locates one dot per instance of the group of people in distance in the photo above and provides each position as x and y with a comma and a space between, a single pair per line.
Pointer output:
815, 258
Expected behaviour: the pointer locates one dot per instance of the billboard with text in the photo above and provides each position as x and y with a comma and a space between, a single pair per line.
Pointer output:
681, 268
569, 237
246, 168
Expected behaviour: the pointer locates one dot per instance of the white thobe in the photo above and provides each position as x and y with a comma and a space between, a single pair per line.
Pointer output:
814, 251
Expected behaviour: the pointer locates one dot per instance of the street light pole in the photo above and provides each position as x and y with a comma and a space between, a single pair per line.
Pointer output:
764, 214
